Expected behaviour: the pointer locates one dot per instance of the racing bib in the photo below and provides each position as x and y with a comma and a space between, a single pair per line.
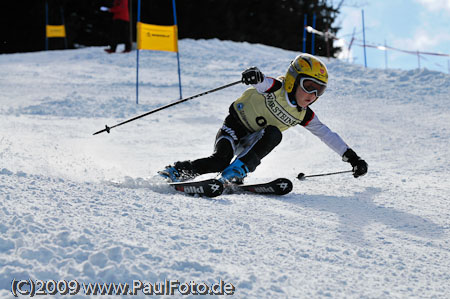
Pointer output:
256, 110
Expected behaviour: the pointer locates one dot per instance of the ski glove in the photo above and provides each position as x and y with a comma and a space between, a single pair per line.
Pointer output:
358, 164
252, 76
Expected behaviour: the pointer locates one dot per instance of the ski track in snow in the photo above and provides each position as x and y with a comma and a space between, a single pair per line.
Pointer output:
90, 208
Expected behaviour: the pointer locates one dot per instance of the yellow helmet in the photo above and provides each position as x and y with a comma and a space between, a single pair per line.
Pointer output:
305, 65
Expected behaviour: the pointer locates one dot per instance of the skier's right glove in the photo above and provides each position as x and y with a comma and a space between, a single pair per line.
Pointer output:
252, 76
358, 164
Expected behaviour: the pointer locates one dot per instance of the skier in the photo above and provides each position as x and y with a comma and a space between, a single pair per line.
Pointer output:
256, 119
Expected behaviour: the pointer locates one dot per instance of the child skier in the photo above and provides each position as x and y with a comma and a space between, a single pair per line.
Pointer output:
256, 119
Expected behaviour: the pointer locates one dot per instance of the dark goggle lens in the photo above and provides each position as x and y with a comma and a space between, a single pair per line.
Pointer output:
312, 86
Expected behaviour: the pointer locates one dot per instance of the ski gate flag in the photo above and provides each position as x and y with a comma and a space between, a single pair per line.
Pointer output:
157, 38
55, 31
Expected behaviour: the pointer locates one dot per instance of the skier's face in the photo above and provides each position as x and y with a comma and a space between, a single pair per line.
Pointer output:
304, 99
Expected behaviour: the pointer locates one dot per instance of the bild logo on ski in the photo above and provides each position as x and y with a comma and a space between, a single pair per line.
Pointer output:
193, 189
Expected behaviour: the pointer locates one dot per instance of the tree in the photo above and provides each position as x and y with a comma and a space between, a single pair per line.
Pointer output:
276, 23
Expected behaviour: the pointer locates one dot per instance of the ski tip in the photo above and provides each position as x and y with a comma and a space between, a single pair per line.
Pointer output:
285, 186
280, 186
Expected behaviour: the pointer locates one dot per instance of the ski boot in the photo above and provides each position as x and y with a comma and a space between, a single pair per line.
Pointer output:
234, 173
170, 173
179, 172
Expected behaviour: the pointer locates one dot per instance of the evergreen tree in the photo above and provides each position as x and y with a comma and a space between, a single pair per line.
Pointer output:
277, 23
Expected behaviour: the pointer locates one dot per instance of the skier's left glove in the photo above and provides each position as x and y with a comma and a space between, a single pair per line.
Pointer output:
252, 76
358, 164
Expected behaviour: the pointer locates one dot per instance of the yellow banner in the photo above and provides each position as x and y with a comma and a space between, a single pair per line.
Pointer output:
56, 31
156, 37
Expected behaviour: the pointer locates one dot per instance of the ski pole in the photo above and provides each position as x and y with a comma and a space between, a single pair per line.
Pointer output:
108, 129
302, 176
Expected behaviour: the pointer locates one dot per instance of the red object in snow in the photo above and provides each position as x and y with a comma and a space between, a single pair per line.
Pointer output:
120, 10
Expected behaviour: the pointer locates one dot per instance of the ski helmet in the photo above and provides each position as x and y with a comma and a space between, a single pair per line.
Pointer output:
304, 65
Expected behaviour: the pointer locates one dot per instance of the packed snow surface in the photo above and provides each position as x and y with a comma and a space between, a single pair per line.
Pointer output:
74, 206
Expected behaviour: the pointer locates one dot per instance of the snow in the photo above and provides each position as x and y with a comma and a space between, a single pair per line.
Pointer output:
90, 208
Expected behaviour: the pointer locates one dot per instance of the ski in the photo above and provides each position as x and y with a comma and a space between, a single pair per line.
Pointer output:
214, 187
208, 188
280, 186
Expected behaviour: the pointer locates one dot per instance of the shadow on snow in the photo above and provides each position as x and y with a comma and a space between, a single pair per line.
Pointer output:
358, 211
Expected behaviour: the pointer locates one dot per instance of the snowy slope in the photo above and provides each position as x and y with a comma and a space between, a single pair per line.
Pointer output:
63, 217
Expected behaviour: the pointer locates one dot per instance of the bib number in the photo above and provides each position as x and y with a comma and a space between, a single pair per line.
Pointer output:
261, 121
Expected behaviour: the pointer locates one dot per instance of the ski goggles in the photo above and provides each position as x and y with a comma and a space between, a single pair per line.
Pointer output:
311, 85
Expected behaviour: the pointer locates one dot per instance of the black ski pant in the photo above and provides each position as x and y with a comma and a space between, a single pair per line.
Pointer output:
120, 35
227, 140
